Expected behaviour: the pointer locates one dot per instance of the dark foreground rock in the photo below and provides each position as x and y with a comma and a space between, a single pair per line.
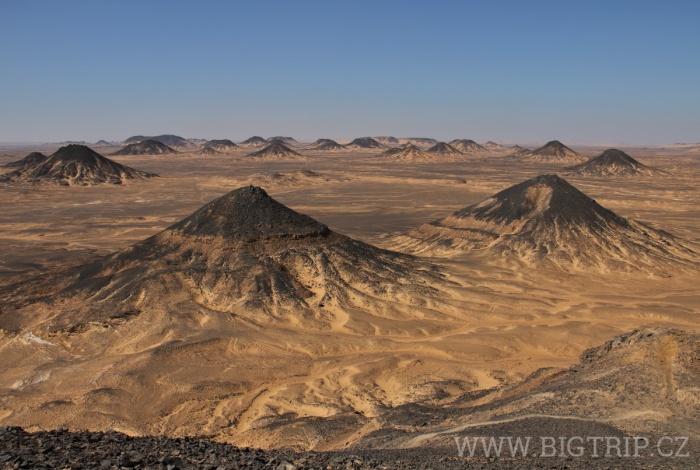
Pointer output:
113, 450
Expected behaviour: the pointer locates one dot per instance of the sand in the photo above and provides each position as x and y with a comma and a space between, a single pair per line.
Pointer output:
183, 370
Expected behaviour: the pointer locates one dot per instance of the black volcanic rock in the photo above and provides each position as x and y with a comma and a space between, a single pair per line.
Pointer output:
167, 139
547, 219
407, 152
325, 144
77, 165
419, 141
102, 143
243, 253
283, 139
467, 146
146, 147
364, 143
493, 146
255, 141
611, 162
275, 150
517, 150
219, 146
248, 214
387, 140
553, 152
442, 148
30, 160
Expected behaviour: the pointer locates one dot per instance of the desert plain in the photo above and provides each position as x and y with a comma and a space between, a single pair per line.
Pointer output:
397, 369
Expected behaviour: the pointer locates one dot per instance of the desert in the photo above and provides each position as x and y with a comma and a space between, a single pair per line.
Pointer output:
122, 311
349, 235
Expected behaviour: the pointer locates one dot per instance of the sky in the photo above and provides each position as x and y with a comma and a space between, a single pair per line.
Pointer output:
509, 71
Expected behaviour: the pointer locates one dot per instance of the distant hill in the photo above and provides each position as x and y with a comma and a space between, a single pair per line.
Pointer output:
553, 152
146, 147
219, 145
362, 143
30, 160
493, 146
283, 139
167, 139
275, 150
407, 152
467, 146
445, 149
76, 165
422, 142
387, 140
255, 141
547, 220
325, 144
612, 162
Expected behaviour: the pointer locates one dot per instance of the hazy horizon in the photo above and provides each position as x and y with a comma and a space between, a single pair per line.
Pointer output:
512, 72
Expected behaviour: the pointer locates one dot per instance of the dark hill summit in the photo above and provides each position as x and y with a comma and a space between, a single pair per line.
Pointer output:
517, 150
553, 152
255, 141
387, 140
243, 253
248, 214
443, 148
407, 152
364, 143
146, 147
609, 163
30, 160
283, 139
220, 145
275, 150
325, 144
547, 219
167, 139
422, 142
493, 146
467, 146
77, 165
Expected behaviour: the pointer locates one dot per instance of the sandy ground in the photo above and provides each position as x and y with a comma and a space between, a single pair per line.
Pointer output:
206, 372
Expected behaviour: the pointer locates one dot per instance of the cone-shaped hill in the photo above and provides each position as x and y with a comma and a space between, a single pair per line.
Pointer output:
612, 162
283, 139
422, 142
221, 145
76, 165
387, 140
255, 141
168, 139
545, 219
325, 144
553, 152
517, 150
407, 152
362, 143
275, 150
493, 146
445, 149
146, 147
467, 146
30, 160
243, 253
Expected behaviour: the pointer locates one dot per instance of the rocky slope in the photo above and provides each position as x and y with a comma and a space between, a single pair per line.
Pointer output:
76, 165
545, 219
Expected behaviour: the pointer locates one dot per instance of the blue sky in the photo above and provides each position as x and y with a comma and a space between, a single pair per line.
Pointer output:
512, 71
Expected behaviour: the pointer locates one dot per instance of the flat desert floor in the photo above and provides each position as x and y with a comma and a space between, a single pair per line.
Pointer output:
268, 387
